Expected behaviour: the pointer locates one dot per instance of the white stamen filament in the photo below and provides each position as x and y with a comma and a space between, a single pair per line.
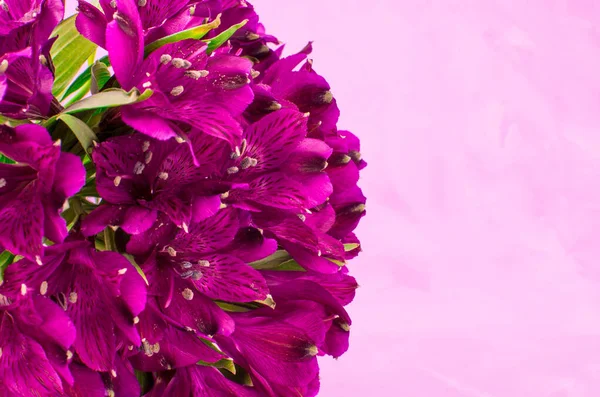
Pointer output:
117, 181
23, 289
69, 354
147, 84
38, 260
3, 66
122, 271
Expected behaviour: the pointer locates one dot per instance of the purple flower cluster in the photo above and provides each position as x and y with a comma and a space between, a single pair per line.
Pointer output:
210, 257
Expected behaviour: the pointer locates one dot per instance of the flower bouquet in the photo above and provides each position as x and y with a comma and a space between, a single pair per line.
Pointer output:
176, 216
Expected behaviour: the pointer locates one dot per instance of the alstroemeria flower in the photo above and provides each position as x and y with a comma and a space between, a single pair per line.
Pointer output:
283, 168
139, 177
25, 23
199, 381
178, 323
33, 191
199, 255
193, 93
100, 291
280, 357
26, 83
35, 337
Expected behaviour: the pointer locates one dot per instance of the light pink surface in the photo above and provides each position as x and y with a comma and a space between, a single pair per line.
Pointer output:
481, 124
480, 120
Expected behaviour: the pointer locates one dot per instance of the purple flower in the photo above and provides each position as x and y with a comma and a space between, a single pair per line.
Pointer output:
139, 177
26, 83
99, 290
279, 356
200, 256
192, 92
283, 168
25, 23
35, 337
33, 191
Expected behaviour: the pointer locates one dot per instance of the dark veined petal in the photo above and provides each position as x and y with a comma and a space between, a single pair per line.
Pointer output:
272, 139
208, 235
225, 277
268, 344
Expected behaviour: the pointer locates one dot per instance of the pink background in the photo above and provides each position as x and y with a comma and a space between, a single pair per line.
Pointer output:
480, 120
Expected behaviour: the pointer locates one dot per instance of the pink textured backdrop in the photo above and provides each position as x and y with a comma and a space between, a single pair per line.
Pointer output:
480, 121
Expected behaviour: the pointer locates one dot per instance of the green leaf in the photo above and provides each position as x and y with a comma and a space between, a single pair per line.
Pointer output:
350, 247
232, 307
219, 40
6, 258
272, 261
280, 260
269, 301
196, 33
84, 78
5, 160
110, 98
70, 51
84, 134
225, 363
100, 76
339, 263
290, 265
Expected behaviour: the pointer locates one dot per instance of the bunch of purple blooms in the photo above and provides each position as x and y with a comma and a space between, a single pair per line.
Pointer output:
175, 217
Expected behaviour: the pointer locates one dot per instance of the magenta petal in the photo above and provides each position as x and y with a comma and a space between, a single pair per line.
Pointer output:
70, 175
198, 313
88, 383
101, 217
24, 366
22, 226
91, 23
205, 207
138, 219
336, 341
125, 42
272, 139
148, 123
227, 278
177, 349
209, 235
270, 344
